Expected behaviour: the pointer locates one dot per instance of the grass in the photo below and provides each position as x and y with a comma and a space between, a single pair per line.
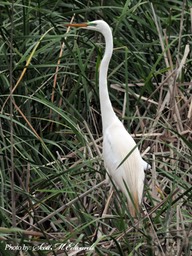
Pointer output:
54, 199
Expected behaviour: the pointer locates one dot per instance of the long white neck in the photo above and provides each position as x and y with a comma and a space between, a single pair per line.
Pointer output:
108, 115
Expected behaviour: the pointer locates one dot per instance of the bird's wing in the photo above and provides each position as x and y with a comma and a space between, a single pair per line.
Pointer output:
117, 144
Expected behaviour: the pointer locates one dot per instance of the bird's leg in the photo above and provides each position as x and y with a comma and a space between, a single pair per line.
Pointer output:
107, 203
99, 232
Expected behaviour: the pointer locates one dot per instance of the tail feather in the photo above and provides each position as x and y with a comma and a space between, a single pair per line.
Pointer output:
134, 205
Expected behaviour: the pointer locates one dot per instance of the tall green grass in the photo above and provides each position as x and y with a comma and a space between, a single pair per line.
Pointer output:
51, 171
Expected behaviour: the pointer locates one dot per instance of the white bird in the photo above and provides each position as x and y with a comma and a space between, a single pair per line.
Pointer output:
127, 173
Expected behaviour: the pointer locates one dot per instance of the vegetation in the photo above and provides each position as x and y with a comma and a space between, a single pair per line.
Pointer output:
54, 200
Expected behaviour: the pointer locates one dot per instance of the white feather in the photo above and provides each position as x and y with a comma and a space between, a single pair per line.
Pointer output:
117, 144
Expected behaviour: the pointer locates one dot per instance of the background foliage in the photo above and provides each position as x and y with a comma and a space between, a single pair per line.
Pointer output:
51, 169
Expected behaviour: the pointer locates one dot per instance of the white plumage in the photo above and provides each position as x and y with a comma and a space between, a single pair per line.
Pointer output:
117, 142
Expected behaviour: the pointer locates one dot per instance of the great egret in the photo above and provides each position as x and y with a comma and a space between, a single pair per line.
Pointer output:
127, 173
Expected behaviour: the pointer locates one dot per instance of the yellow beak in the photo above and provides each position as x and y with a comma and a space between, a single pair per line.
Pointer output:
76, 25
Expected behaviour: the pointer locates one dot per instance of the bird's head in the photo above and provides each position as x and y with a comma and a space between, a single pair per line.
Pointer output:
97, 25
